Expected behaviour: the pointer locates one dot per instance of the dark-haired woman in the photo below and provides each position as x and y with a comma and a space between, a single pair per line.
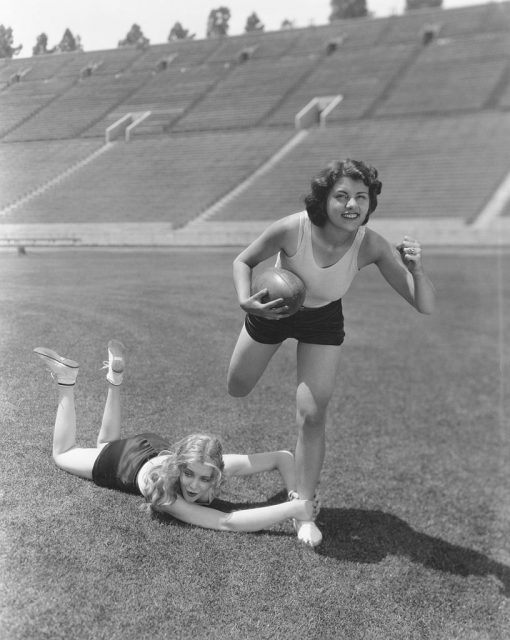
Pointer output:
325, 245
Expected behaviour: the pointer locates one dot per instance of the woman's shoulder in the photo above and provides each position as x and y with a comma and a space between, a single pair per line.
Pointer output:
291, 222
372, 238
373, 246
291, 231
284, 232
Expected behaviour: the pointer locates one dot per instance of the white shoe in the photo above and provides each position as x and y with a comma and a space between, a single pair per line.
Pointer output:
307, 532
116, 362
65, 371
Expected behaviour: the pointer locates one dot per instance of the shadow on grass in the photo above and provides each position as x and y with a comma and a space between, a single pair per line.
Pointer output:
358, 535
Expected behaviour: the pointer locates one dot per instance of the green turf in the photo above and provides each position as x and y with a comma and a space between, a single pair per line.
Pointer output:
415, 486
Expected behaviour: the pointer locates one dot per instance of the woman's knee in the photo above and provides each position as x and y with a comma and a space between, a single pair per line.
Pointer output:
311, 414
311, 411
237, 386
314, 420
248, 363
57, 459
77, 461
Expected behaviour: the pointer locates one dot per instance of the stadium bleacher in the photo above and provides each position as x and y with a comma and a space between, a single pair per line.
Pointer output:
28, 165
167, 94
423, 95
421, 163
271, 45
358, 78
167, 179
73, 111
26, 99
452, 76
238, 101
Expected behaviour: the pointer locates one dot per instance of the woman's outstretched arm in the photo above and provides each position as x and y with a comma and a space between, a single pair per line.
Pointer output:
243, 520
247, 465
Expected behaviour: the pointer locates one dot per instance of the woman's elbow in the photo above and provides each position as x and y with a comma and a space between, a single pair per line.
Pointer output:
426, 311
285, 457
240, 260
226, 523
425, 305
428, 308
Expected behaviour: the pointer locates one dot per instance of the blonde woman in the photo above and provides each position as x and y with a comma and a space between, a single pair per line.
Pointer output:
179, 480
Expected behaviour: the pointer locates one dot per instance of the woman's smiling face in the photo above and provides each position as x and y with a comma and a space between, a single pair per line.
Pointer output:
348, 203
196, 480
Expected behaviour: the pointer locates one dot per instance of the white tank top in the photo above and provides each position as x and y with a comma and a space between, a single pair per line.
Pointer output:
323, 284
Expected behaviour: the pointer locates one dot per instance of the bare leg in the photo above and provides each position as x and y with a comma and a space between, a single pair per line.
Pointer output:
64, 433
316, 371
110, 425
249, 361
67, 456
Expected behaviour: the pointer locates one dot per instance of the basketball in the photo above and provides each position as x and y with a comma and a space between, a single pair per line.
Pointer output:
281, 283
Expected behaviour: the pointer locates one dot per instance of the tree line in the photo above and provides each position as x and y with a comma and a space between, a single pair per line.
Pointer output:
217, 27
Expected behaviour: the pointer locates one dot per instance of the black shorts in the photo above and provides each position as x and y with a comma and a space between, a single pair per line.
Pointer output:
119, 462
319, 325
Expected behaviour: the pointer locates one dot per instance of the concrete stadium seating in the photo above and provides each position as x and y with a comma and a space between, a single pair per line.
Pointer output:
358, 78
163, 180
425, 96
450, 76
21, 101
187, 52
271, 45
238, 100
430, 168
78, 108
167, 94
28, 165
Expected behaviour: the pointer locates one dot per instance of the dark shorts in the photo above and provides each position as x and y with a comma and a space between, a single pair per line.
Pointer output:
320, 325
119, 462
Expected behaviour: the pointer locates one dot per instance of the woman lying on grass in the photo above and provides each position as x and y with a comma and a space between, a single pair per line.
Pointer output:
177, 480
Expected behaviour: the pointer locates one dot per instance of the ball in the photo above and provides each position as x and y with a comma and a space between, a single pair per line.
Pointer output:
281, 283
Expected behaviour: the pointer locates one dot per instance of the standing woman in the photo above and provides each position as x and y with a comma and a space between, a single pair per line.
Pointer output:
325, 245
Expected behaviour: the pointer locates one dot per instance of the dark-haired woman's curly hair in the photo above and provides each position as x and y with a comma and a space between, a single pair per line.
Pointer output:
323, 182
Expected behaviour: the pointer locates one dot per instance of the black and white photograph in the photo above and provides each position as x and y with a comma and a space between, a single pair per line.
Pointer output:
255, 320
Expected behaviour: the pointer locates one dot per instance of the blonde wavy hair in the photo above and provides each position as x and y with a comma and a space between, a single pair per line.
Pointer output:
162, 485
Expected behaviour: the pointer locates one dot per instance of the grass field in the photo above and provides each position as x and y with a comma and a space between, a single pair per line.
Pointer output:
415, 487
